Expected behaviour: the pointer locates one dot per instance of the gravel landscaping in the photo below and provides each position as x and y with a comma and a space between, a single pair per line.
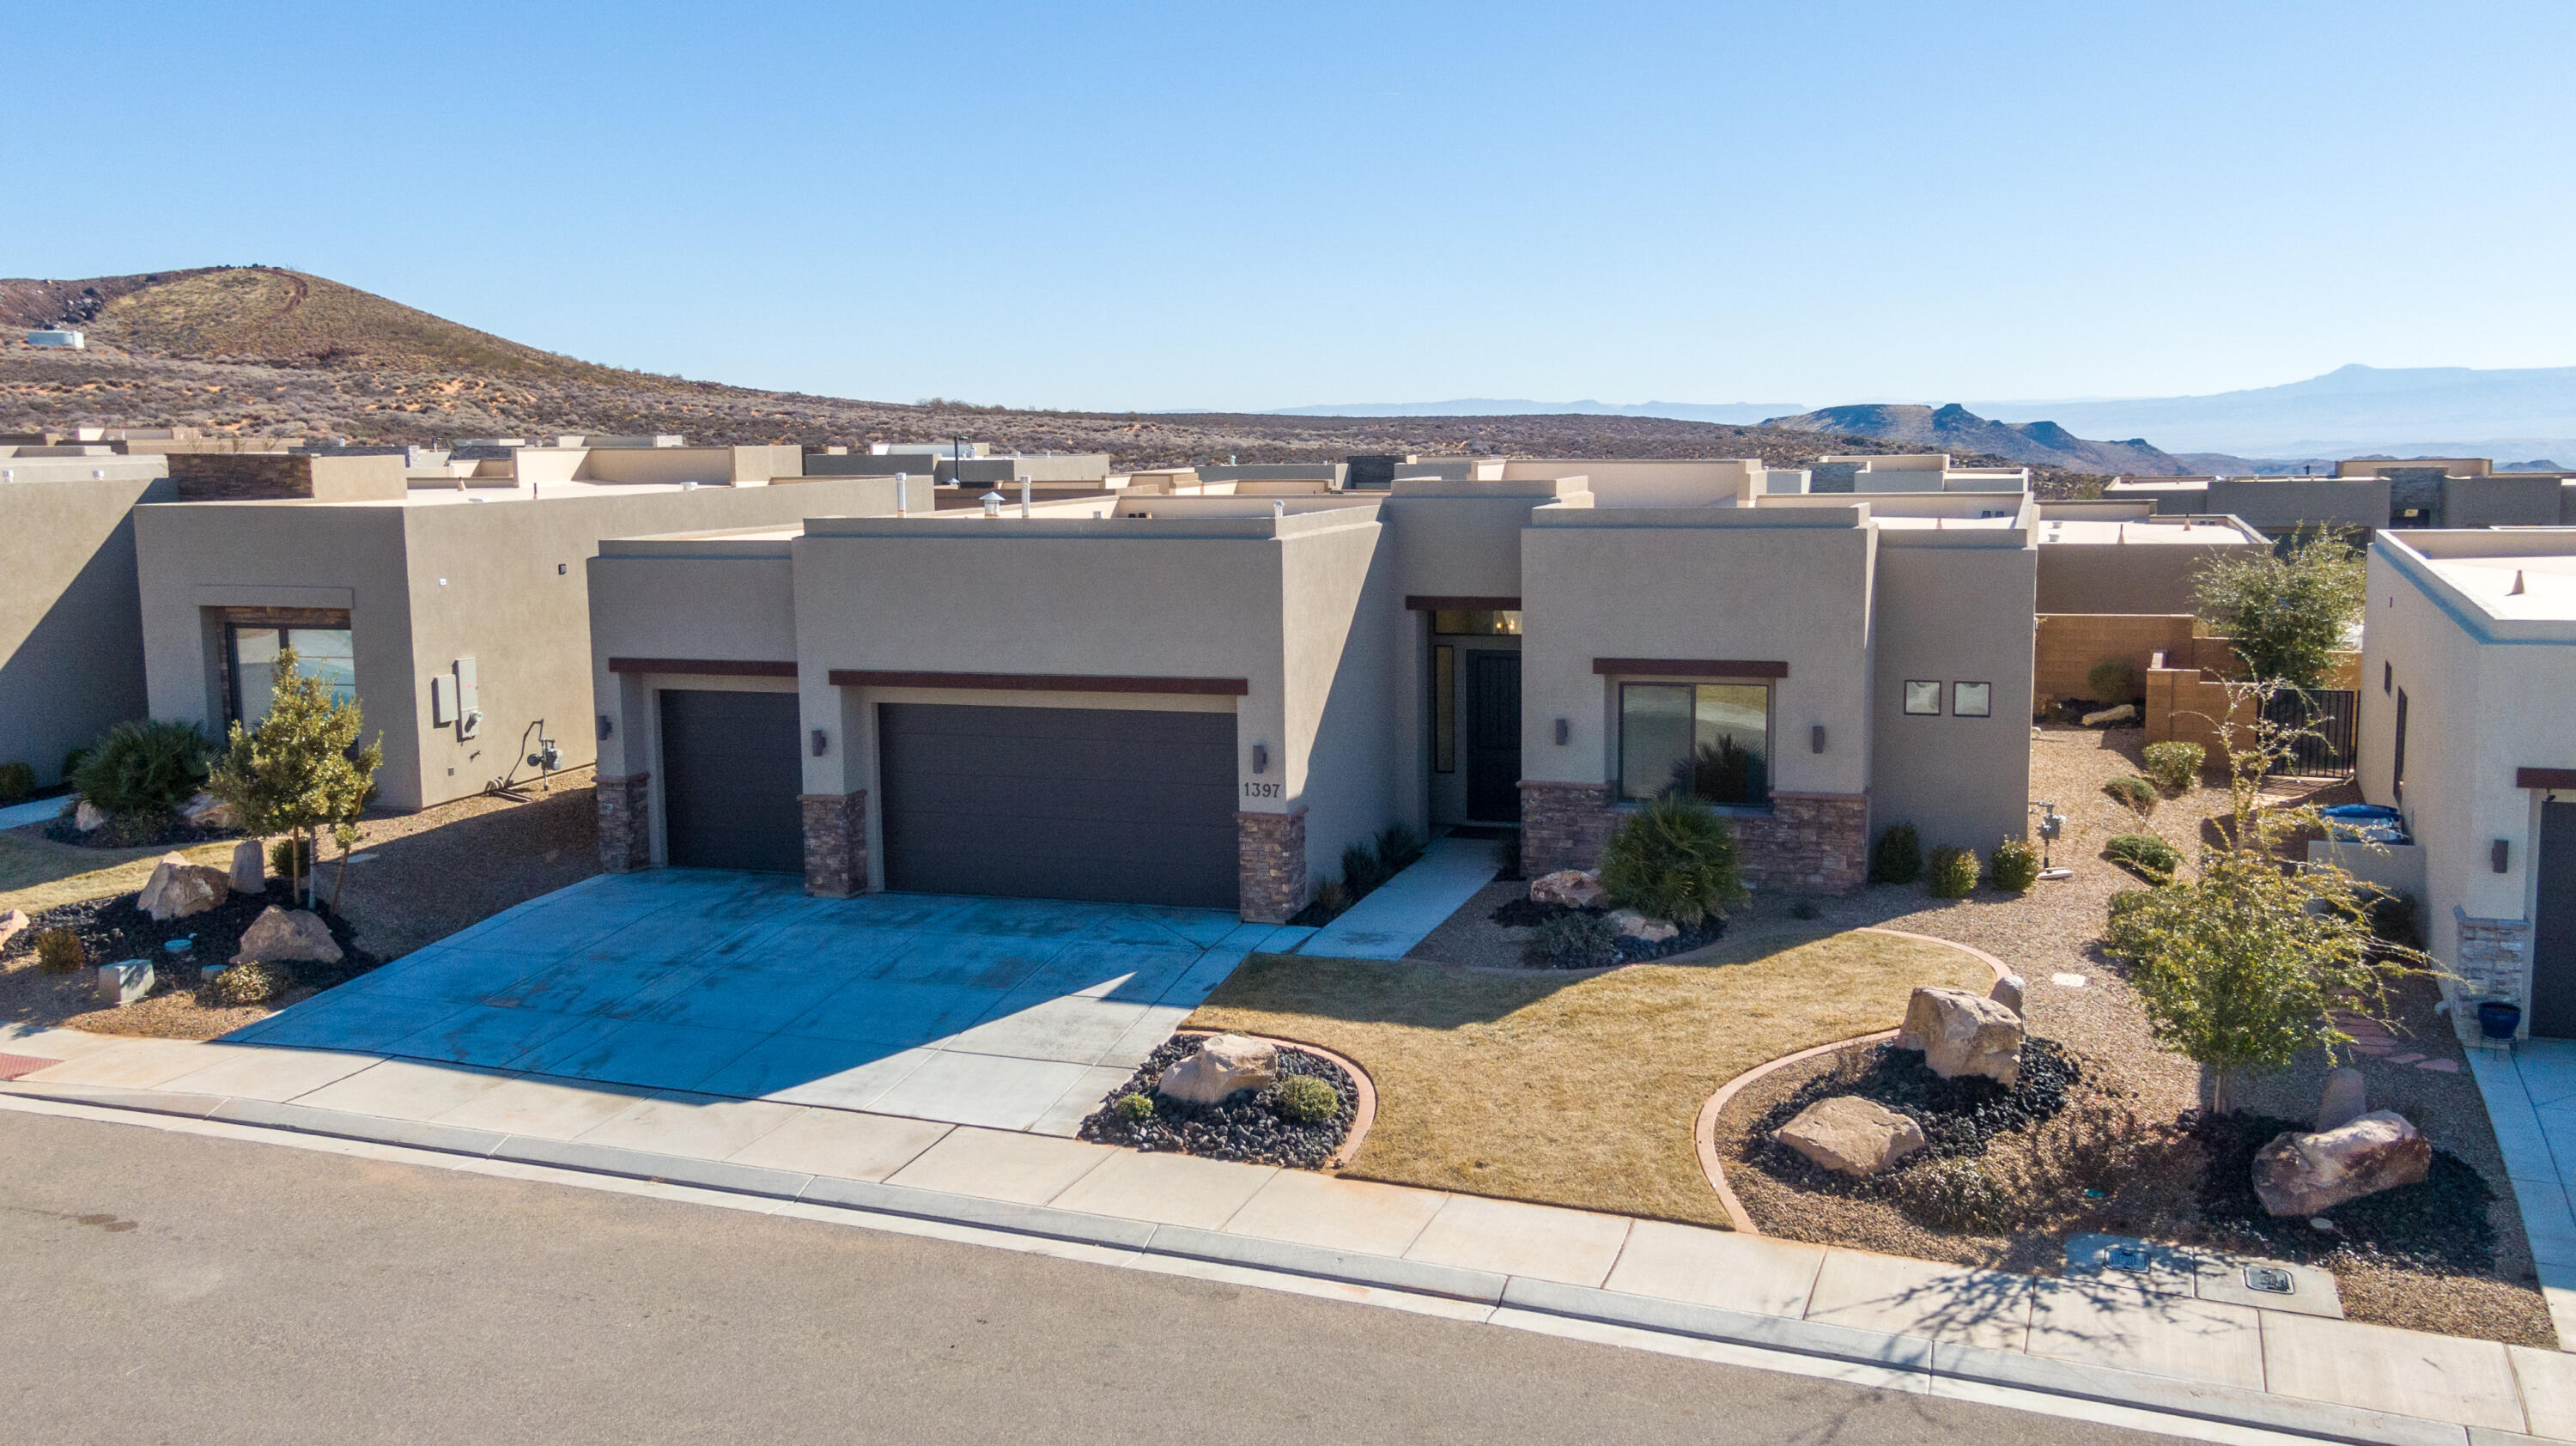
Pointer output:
1245, 1126
112, 929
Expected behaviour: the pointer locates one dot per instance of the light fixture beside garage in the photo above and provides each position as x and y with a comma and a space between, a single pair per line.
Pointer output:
822, 742
1261, 758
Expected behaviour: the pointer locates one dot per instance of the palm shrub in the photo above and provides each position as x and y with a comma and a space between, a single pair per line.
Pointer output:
143, 770
2174, 766
1674, 859
2138, 794
17, 780
1897, 857
2015, 866
1953, 872
2145, 854
301, 770
2113, 680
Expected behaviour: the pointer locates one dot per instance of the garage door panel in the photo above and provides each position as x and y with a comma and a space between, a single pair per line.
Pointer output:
1126, 805
730, 779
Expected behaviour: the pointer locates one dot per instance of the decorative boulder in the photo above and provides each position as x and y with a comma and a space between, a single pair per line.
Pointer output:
205, 811
179, 888
2345, 1099
2120, 714
124, 982
1851, 1135
1574, 888
2305, 1175
1633, 925
2008, 991
250, 868
280, 935
12, 924
1226, 1063
1960, 1033
88, 817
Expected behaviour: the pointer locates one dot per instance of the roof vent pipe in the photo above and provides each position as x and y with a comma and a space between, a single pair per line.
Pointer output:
1024, 497
902, 494
1278, 508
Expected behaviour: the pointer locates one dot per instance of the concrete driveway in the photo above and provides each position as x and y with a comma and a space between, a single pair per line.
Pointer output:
1009, 1013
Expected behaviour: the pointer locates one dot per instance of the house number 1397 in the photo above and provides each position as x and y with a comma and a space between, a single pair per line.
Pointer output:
1261, 790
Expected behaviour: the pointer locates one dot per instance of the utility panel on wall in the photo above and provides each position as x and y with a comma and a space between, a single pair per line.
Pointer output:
469, 700
442, 701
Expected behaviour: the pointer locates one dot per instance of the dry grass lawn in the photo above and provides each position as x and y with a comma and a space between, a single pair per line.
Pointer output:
37, 873
1575, 1088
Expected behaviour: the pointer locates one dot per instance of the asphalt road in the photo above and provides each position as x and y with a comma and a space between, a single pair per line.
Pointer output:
160, 1287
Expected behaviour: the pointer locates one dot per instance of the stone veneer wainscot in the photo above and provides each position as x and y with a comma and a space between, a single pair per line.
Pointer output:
626, 823
1271, 855
836, 843
2494, 963
1816, 843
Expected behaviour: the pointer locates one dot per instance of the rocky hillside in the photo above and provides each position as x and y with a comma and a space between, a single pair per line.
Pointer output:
1955, 429
254, 351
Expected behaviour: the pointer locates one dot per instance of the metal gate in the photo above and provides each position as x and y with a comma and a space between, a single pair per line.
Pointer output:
2321, 721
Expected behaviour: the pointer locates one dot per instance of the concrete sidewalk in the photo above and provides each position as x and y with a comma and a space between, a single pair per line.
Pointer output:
2123, 1340
2531, 1099
1401, 912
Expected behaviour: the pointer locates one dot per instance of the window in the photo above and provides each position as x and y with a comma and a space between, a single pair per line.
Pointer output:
2397, 766
320, 652
1923, 699
1456, 622
1972, 700
1702, 740
1444, 710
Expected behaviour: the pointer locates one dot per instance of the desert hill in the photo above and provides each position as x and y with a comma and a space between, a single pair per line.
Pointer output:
1956, 429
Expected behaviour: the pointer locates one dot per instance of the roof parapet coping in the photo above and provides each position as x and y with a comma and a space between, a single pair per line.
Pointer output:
2414, 554
1108, 519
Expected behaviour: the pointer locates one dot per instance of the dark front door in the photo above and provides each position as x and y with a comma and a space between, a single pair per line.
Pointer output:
730, 779
1493, 736
2553, 935
1126, 806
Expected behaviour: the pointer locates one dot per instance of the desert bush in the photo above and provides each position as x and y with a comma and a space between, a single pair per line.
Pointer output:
1578, 941
1897, 857
246, 983
1953, 1194
1953, 874
72, 762
2145, 853
1806, 909
1306, 1100
2114, 680
1331, 898
1674, 859
17, 780
59, 951
1397, 848
2286, 615
2175, 766
2134, 793
2128, 900
288, 858
2095, 1145
1509, 857
1361, 871
2015, 866
2394, 918
143, 770
1134, 1106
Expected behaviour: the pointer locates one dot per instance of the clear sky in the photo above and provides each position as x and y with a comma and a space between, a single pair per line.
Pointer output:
1106, 205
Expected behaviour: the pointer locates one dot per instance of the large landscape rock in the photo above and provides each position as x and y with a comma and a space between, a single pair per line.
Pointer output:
284, 935
12, 924
179, 888
1851, 1135
1634, 925
250, 868
2008, 992
2301, 1175
1226, 1063
124, 982
88, 817
206, 811
1961, 1034
1574, 888
2344, 1099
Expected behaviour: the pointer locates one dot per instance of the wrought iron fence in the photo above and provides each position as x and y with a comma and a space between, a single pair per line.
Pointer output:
2321, 721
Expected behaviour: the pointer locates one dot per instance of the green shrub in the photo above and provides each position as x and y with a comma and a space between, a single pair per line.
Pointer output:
1361, 872
72, 762
288, 858
1509, 858
2175, 766
1953, 872
2015, 866
2394, 918
2149, 856
2114, 680
1897, 857
2128, 900
248, 983
17, 780
59, 951
2138, 795
1134, 1106
1579, 941
1806, 909
1397, 848
145, 770
1306, 1100
1674, 859
1953, 1194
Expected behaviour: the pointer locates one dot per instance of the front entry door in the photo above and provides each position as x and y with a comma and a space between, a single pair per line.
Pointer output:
1493, 736
2553, 934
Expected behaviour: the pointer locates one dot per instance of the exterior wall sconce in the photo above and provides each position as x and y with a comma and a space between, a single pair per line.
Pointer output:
1261, 758
1816, 739
1564, 731
822, 741
606, 727
2501, 855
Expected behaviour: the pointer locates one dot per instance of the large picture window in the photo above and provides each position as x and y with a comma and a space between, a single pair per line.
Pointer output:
320, 652
1702, 740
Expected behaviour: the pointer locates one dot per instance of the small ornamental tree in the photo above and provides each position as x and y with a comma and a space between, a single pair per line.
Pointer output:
2289, 614
301, 769
2239, 967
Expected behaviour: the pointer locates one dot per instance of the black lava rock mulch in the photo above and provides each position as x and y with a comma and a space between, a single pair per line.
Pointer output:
1243, 1126
2440, 1225
1523, 914
1958, 1116
112, 929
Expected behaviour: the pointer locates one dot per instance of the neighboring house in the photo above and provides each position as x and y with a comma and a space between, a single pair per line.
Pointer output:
1203, 700
2470, 649
2122, 557
1913, 472
455, 608
973, 464
2367, 495
71, 623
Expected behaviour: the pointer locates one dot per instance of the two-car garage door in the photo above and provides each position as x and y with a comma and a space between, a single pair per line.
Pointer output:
1124, 805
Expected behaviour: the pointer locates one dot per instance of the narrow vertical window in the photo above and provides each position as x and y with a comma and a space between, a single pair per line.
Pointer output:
1444, 710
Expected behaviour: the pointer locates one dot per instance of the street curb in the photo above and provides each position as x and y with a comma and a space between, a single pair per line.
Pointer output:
350, 1125
1482, 1287
646, 1165
1041, 1220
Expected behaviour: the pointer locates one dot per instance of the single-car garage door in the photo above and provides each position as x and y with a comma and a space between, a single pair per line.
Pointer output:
1123, 805
730, 780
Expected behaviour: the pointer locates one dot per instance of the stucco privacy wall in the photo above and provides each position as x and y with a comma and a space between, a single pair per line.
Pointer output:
504, 582
1954, 607
2127, 577
71, 624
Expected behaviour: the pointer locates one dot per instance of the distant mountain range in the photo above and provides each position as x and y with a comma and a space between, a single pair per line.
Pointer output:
2402, 411
1735, 414
1954, 428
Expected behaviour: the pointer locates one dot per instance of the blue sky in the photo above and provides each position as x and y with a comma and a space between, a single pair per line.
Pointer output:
1146, 205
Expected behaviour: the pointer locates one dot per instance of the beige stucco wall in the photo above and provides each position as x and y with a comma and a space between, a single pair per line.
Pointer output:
2146, 577
1651, 482
1953, 613
2281, 504
71, 624
2506, 500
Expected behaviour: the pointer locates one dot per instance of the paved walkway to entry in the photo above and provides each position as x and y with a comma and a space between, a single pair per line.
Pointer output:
1399, 913
1009, 1013
2531, 1099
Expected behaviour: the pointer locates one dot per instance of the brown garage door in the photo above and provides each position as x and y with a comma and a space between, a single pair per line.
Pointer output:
1122, 805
